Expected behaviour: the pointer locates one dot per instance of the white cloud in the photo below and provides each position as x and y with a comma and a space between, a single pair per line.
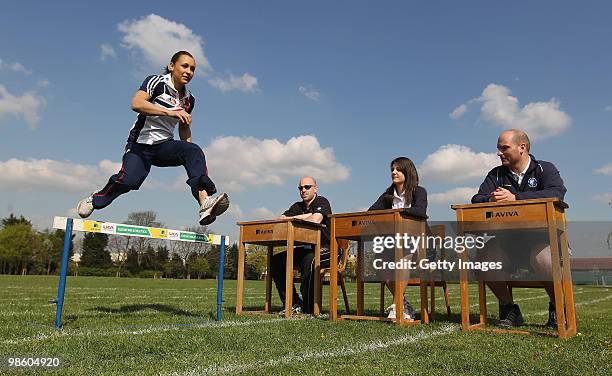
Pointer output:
455, 163
234, 163
237, 162
25, 106
238, 214
262, 213
608, 108
245, 83
309, 93
15, 67
108, 167
458, 112
454, 196
48, 174
41, 222
158, 38
605, 198
235, 211
605, 170
44, 83
538, 119
18, 67
107, 51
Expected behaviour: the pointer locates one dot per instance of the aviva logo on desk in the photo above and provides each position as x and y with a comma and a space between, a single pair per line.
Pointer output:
490, 214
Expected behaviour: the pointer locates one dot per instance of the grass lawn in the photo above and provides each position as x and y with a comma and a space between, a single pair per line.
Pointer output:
122, 326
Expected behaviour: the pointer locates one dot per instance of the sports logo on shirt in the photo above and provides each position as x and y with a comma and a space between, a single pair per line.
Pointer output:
532, 182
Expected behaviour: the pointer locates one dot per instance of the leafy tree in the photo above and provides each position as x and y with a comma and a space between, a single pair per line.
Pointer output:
94, 253
162, 255
256, 260
197, 266
231, 262
131, 262
12, 220
17, 244
175, 268
48, 256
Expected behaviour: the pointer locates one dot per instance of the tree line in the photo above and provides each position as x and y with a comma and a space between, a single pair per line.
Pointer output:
24, 250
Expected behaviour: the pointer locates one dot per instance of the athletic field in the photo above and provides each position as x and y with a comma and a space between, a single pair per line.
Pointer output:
123, 326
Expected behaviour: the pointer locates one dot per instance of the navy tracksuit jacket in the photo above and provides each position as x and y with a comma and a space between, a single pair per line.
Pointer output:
542, 180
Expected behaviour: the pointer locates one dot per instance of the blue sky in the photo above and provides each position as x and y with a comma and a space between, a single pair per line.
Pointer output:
334, 89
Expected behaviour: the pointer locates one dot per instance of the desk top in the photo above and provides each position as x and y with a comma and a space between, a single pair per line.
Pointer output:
276, 232
295, 221
376, 213
557, 202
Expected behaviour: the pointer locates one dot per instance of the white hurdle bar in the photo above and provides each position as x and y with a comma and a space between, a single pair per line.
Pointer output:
85, 225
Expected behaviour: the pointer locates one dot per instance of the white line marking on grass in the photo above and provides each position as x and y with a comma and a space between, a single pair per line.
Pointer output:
494, 301
152, 329
576, 304
344, 351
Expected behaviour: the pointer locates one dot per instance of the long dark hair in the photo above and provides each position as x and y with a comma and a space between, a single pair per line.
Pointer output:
406, 166
175, 57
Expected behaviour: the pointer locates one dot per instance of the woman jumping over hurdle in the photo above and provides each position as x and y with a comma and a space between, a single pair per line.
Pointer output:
161, 102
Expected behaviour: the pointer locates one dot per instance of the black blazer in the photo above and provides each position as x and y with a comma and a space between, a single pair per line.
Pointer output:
418, 205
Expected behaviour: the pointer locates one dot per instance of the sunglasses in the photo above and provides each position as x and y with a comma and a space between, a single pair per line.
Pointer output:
306, 187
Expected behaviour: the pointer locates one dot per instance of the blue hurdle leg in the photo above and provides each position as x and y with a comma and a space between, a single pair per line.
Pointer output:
62, 285
220, 278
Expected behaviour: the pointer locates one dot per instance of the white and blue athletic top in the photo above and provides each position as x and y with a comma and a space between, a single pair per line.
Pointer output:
152, 130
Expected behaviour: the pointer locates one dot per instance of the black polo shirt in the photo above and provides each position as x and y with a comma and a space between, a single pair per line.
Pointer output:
318, 205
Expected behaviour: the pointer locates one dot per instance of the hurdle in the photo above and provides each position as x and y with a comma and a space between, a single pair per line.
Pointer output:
71, 224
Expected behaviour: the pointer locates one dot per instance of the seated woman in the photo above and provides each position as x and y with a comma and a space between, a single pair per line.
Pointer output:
404, 192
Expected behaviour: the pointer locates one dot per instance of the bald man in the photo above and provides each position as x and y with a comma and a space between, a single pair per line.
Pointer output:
313, 208
520, 177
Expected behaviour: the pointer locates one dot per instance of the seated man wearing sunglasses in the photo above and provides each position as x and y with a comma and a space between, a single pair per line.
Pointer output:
313, 208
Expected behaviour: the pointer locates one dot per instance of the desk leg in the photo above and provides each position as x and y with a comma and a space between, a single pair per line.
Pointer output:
399, 284
464, 287
360, 284
289, 272
482, 301
316, 274
268, 304
333, 272
556, 270
240, 282
568, 287
423, 286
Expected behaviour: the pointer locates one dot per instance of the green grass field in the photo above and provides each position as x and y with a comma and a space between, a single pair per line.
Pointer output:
149, 327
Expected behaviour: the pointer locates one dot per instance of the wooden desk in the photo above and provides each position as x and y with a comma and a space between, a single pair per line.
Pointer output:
548, 213
273, 233
363, 226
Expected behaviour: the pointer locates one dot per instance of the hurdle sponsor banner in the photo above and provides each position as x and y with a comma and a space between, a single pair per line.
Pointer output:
133, 230
174, 235
139, 231
92, 226
158, 233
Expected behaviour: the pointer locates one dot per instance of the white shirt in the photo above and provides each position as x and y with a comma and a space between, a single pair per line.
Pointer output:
519, 177
399, 201
155, 129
